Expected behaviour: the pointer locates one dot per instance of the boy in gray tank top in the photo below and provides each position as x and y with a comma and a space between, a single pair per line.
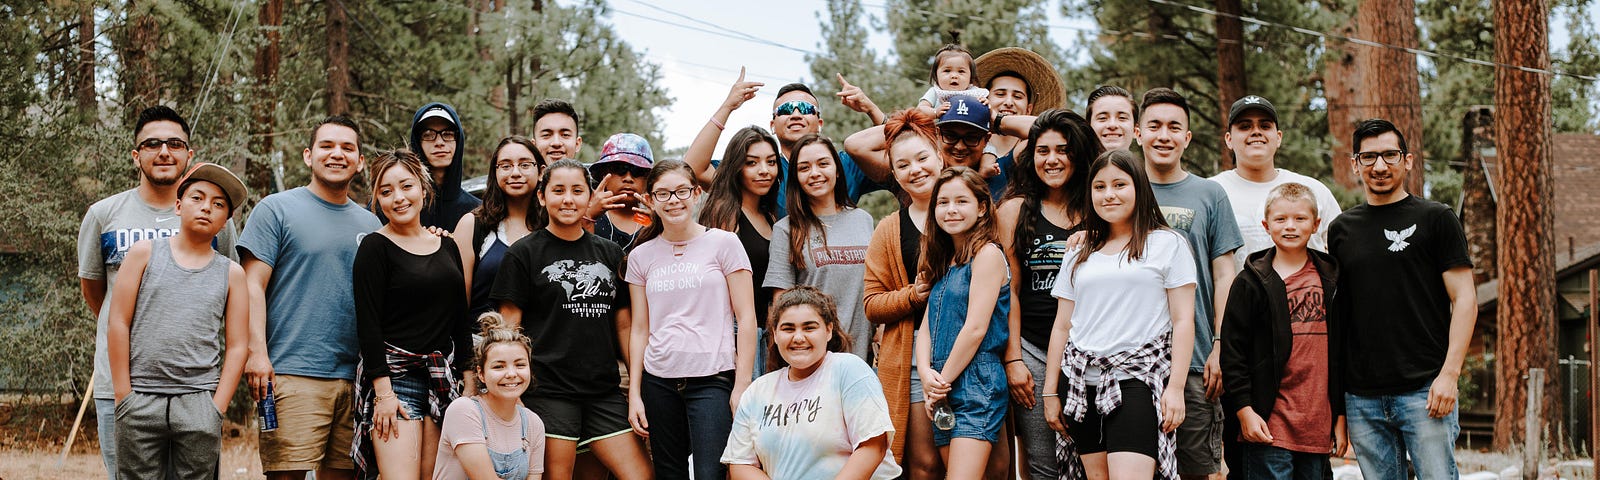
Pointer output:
175, 299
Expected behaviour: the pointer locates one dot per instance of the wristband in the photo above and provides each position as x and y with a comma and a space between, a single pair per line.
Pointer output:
1014, 360
1049, 394
719, 125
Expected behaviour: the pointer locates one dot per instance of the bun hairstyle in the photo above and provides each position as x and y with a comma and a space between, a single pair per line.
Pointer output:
805, 295
494, 330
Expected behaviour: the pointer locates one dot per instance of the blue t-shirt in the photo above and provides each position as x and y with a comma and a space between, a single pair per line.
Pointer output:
311, 246
852, 174
997, 183
1199, 208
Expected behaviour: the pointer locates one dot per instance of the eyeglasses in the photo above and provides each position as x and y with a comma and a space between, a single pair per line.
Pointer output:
524, 166
1367, 159
665, 195
153, 145
950, 137
795, 107
429, 135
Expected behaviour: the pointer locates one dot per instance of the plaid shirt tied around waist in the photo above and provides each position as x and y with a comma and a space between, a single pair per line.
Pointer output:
1151, 363
441, 391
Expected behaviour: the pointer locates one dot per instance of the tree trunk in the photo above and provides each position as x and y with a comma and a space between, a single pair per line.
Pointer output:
338, 59
258, 170
140, 89
84, 90
1231, 83
1390, 76
1525, 318
1477, 204
1342, 88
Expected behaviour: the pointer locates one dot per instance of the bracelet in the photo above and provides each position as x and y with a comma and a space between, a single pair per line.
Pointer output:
587, 219
1014, 360
1049, 394
381, 397
719, 125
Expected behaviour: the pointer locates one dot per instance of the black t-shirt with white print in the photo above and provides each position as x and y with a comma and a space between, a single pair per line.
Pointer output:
1391, 260
568, 292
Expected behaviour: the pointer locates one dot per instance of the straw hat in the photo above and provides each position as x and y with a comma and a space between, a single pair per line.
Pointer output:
1047, 90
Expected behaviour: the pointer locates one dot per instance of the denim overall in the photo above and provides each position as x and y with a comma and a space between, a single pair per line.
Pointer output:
508, 465
979, 396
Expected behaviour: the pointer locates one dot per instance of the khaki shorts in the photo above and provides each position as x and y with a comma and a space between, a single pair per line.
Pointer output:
316, 423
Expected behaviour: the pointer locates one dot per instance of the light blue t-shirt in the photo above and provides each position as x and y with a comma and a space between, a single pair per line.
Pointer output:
1199, 208
310, 245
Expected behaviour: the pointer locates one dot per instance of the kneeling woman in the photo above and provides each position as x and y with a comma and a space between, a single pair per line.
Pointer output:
411, 321
821, 416
493, 435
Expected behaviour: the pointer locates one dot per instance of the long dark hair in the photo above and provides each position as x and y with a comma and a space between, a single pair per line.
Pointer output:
657, 170
939, 251
726, 193
544, 181
805, 295
496, 205
1146, 212
1025, 182
802, 220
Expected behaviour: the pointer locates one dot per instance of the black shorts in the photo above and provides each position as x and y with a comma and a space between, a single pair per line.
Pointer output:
1132, 427
582, 420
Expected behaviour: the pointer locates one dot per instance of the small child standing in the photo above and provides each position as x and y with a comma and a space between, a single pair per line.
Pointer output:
1275, 348
175, 298
960, 347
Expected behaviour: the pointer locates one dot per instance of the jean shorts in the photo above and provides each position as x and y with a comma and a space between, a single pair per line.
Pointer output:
411, 388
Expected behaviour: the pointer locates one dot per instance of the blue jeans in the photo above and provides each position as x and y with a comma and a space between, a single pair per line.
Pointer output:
1266, 462
105, 415
1385, 429
688, 416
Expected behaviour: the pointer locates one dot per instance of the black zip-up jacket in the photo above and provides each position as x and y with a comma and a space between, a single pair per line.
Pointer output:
1256, 339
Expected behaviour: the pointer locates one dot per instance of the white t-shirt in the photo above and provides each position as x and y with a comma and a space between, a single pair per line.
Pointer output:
807, 429
1120, 305
1249, 208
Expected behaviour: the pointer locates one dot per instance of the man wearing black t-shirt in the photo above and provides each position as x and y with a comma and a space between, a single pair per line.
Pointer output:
1408, 296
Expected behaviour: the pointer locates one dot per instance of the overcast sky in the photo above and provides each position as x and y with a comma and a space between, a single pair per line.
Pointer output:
697, 67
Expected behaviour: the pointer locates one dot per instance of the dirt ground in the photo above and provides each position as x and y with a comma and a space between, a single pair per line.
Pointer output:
31, 442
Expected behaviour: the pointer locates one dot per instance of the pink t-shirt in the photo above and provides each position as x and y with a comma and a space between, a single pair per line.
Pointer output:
463, 424
691, 313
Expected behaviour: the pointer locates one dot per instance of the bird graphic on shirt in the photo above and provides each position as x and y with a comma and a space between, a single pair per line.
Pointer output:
1399, 238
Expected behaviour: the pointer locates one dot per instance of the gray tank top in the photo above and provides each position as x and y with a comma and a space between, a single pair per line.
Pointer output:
175, 344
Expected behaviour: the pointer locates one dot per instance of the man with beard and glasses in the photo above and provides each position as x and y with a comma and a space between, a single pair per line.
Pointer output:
161, 152
1406, 287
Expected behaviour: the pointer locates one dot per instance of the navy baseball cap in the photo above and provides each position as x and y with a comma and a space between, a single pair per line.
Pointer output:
967, 110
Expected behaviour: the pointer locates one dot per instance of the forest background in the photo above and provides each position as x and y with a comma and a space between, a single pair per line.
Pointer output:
253, 75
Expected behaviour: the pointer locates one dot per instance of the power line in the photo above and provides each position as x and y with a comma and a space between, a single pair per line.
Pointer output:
216, 62
720, 31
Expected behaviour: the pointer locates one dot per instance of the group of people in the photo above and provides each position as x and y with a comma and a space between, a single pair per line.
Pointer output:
1109, 313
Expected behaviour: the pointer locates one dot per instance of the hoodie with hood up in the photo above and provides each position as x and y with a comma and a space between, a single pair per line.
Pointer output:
449, 202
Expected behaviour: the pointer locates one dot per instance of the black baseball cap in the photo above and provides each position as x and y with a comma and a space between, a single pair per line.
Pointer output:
1251, 102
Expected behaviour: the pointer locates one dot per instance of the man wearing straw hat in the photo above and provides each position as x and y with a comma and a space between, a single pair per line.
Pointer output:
161, 152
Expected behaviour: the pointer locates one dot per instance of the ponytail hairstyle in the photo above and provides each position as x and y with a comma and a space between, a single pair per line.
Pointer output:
939, 251
1083, 146
661, 168
544, 181
495, 208
404, 159
953, 49
725, 196
805, 295
495, 330
1146, 217
802, 220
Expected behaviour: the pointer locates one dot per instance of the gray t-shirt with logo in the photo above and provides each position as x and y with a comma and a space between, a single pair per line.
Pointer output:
835, 268
1199, 208
110, 227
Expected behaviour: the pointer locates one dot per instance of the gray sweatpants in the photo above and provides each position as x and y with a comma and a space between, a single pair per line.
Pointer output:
1037, 437
168, 436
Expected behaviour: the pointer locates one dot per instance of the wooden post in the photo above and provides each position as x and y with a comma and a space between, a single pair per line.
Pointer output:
1594, 366
1532, 449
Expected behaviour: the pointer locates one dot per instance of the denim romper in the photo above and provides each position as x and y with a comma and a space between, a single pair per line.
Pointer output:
979, 395
508, 465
